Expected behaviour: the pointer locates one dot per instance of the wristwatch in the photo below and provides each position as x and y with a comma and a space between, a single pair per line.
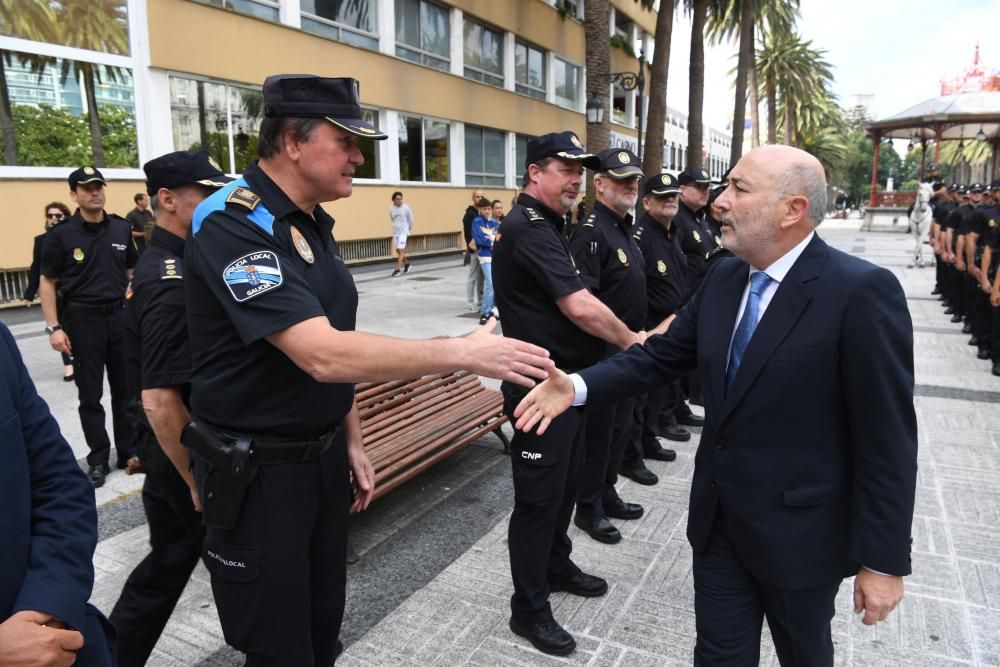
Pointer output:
51, 330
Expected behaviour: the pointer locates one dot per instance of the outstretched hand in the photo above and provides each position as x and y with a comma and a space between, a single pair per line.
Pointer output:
507, 358
545, 402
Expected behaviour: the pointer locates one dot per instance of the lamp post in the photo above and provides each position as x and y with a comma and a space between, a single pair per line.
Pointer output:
628, 81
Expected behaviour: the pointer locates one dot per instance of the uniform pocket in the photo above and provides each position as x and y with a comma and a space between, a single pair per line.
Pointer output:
233, 563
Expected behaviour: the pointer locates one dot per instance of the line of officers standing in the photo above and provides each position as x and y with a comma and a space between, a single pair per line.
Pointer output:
966, 245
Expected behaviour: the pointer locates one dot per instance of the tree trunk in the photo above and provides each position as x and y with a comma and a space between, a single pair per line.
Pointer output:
6, 118
789, 121
743, 65
202, 118
696, 84
598, 45
754, 102
93, 115
652, 154
772, 110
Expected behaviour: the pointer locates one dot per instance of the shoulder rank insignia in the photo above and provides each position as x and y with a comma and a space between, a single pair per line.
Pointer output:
170, 269
661, 266
696, 235
591, 220
244, 198
533, 215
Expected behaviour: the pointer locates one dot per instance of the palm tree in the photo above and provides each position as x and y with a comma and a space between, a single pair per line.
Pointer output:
28, 19
652, 154
598, 45
791, 67
696, 81
95, 25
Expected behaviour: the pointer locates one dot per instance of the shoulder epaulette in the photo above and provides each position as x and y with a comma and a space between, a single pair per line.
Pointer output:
714, 251
533, 215
243, 197
638, 232
170, 269
591, 220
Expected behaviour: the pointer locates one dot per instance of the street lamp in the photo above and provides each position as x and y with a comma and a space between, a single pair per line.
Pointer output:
628, 81
980, 135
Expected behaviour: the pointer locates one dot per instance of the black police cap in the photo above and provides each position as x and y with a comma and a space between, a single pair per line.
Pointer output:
564, 145
85, 175
661, 185
953, 187
179, 168
937, 185
995, 185
976, 187
619, 163
694, 175
308, 96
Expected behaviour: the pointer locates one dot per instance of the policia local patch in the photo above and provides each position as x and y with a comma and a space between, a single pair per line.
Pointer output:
253, 274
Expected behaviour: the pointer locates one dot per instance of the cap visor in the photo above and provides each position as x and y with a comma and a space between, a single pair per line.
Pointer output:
92, 179
664, 192
215, 181
358, 128
624, 172
589, 160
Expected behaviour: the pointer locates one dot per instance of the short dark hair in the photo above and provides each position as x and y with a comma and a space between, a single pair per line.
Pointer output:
138, 196
273, 130
397, 192
497, 201
484, 203
59, 205
541, 164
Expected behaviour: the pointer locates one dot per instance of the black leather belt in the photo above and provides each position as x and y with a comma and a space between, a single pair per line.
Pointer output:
98, 308
270, 452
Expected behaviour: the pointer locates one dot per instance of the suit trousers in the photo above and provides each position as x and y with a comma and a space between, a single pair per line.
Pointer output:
731, 604
155, 585
279, 575
608, 429
98, 341
545, 469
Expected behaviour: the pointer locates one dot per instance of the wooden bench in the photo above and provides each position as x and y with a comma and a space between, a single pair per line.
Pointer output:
409, 425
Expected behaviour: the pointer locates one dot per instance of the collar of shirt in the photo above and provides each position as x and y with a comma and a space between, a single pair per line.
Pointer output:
161, 237
550, 215
698, 214
624, 222
650, 223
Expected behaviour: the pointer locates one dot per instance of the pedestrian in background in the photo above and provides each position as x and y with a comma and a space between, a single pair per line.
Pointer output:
474, 279
402, 223
484, 231
141, 219
55, 213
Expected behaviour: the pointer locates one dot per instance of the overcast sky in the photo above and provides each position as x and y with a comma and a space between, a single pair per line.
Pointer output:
897, 51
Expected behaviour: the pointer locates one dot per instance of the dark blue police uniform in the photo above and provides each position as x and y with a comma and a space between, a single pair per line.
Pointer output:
982, 222
91, 263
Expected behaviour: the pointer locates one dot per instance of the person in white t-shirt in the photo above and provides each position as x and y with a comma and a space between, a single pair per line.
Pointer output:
402, 223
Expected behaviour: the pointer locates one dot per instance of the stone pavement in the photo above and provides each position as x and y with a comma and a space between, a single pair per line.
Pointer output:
432, 585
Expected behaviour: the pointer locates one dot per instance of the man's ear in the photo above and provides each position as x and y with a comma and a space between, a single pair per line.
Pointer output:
795, 210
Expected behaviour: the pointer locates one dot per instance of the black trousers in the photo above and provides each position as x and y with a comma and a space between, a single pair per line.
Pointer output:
982, 324
652, 413
98, 342
279, 574
607, 436
938, 272
995, 335
730, 606
155, 585
545, 469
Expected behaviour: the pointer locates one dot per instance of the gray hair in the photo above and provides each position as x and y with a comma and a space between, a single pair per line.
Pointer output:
803, 180
270, 141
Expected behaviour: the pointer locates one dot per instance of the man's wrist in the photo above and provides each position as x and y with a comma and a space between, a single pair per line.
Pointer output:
52, 328
579, 389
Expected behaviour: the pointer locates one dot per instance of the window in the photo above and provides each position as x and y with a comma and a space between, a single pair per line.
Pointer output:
262, 9
51, 101
484, 156
619, 105
422, 33
350, 21
423, 150
483, 53
520, 153
567, 83
529, 70
219, 118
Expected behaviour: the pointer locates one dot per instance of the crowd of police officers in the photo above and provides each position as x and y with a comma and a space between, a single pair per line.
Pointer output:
231, 339
967, 252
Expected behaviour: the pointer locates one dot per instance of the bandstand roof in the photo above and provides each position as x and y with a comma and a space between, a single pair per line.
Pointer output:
959, 115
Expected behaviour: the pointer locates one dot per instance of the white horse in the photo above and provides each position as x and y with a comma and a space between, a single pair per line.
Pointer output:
920, 223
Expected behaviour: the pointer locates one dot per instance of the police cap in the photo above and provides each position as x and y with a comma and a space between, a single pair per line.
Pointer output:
953, 187
995, 185
179, 168
660, 185
85, 175
937, 185
619, 163
694, 175
714, 193
564, 145
308, 96
976, 187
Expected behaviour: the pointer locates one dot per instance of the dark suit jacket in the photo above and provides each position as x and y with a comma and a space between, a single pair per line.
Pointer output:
48, 526
35, 269
812, 454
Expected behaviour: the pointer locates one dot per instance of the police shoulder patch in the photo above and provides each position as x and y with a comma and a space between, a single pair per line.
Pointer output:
244, 198
170, 269
253, 274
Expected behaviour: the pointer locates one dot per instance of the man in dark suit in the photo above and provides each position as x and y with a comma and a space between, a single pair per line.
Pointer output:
806, 469
49, 530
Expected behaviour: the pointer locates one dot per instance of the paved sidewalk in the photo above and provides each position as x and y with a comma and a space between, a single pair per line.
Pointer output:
433, 584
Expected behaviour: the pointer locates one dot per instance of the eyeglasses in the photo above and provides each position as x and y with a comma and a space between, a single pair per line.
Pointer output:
57, 216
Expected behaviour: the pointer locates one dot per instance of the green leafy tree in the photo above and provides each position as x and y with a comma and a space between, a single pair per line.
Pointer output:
50, 136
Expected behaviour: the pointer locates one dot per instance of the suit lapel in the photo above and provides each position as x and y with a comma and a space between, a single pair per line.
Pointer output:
787, 305
725, 302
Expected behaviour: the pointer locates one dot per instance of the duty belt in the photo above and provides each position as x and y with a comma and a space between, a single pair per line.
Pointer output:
99, 308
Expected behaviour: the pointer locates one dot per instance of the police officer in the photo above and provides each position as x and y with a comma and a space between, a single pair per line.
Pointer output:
91, 256
698, 239
964, 248
612, 268
159, 379
952, 226
666, 292
982, 222
544, 300
939, 201
943, 218
278, 454
988, 275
